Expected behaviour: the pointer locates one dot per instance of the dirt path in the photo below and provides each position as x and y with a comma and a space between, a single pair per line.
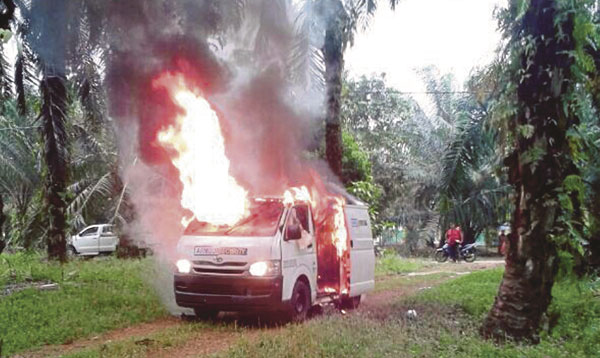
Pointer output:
139, 330
380, 303
210, 340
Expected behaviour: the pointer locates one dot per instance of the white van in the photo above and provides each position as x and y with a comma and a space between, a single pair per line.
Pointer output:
93, 240
266, 262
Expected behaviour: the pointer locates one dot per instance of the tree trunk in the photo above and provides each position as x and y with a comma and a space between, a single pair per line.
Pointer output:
333, 53
20, 85
594, 249
525, 291
54, 103
6, 17
2, 220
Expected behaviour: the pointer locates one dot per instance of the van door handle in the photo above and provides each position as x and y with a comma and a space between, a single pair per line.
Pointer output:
351, 244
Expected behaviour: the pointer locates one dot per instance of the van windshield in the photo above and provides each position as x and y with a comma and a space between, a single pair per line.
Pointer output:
261, 220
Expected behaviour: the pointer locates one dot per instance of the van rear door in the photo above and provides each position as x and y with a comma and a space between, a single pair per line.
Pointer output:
362, 254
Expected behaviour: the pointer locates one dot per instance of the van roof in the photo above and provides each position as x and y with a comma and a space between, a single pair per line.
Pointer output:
333, 188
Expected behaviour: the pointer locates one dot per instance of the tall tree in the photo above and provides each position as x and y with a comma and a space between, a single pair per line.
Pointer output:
2, 219
333, 54
53, 117
48, 35
6, 17
342, 18
541, 109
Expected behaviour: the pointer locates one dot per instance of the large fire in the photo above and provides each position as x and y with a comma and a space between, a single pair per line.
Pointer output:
209, 192
214, 196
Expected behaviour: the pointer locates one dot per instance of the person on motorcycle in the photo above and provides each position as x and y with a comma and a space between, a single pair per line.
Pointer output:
453, 238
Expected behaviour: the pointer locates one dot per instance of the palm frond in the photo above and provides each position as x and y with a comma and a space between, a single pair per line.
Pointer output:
305, 61
85, 190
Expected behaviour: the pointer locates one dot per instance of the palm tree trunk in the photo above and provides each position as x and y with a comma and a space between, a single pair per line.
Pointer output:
19, 84
6, 18
2, 220
333, 53
531, 264
594, 259
54, 103
525, 291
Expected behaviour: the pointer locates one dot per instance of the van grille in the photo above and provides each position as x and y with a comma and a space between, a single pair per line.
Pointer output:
210, 263
219, 271
223, 268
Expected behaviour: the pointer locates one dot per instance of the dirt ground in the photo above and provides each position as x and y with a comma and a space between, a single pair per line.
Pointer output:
209, 341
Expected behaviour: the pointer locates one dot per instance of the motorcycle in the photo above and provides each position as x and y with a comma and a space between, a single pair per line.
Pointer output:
467, 252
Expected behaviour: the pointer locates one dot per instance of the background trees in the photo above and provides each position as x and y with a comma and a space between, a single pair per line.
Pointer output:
340, 19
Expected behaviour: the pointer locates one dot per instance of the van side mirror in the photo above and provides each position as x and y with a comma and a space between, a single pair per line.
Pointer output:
293, 232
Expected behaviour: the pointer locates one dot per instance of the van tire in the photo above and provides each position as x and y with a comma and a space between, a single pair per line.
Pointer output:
204, 314
350, 303
300, 302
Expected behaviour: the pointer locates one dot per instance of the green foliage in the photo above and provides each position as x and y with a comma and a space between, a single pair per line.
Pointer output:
356, 166
357, 175
473, 191
404, 146
21, 176
93, 296
560, 58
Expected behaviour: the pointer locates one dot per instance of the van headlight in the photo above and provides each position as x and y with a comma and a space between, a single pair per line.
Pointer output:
265, 268
184, 266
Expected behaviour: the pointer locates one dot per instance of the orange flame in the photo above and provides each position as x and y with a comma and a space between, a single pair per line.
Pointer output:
296, 194
209, 191
340, 234
213, 195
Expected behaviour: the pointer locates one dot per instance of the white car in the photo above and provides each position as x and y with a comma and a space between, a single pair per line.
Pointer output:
93, 240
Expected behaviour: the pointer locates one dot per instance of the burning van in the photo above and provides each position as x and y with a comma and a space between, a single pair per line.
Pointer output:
286, 254
240, 251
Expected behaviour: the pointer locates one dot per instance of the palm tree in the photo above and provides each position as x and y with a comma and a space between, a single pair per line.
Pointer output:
338, 19
541, 166
20, 178
61, 35
6, 18
472, 191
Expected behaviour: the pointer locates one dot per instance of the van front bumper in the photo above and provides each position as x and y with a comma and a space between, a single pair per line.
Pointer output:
228, 293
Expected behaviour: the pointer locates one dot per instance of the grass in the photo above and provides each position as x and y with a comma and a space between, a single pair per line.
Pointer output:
98, 295
448, 319
391, 264
93, 296
387, 283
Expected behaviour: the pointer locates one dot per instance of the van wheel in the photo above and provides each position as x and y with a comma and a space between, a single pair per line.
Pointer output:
204, 314
350, 303
300, 302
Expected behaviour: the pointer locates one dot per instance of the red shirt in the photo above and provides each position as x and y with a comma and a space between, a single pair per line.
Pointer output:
453, 236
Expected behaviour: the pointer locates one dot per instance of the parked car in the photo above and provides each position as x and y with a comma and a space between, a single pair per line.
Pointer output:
94, 240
